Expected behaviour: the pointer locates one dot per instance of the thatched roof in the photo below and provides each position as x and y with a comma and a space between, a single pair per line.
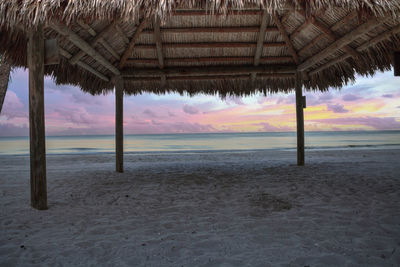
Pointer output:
208, 46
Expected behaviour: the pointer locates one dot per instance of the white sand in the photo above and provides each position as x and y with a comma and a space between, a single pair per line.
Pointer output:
206, 209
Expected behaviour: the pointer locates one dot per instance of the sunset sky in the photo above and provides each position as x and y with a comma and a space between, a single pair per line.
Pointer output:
368, 104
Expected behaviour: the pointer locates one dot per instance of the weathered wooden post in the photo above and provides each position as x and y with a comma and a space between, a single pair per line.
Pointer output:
5, 70
300, 120
35, 58
396, 63
119, 127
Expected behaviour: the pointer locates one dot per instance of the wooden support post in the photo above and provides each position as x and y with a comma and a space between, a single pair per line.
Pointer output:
5, 70
119, 127
396, 63
300, 120
36, 118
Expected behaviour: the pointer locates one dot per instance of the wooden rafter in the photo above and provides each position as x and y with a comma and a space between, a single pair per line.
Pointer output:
98, 38
286, 38
260, 42
122, 34
207, 59
334, 28
211, 45
84, 46
209, 70
132, 43
157, 39
212, 29
360, 49
93, 33
85, 66
340, 43
300, 28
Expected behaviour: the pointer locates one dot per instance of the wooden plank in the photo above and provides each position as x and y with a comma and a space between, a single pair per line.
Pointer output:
93, 33
119, 123
299, 29
35, 59
360, 49
300, 120
208, 59
83, 65
98, 38
248, 12
340, 43
5, 70
213, 30
211, 45
84, 46
51, 55
285, 36
132, 43
208, 70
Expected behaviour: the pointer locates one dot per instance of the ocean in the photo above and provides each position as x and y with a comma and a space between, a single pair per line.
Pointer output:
205, 142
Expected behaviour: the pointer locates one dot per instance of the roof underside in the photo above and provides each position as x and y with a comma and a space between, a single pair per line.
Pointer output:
196, 51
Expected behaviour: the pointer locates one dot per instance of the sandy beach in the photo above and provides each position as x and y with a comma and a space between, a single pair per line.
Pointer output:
252, 208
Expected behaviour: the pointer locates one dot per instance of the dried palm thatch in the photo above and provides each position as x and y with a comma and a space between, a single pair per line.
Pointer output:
229, 47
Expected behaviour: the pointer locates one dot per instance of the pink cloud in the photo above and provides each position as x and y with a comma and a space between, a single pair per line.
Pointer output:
13, 107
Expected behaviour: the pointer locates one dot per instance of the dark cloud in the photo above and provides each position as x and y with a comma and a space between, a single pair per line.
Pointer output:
336, 108
351, 97
190, 109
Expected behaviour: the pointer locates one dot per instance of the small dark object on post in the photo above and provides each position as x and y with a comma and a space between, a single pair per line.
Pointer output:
396, 63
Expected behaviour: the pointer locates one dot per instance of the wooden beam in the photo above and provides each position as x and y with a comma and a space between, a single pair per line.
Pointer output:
360, 49
340, 43
213, 77
132, 43
119, 123
213, 30
286, 38
208, 59
35, 59
83, 65
334, 28
5, 70
93, 33
248, 12
98, 38
396, 63
84, 46
157, 39
299, 120
211, 45
261, 37
209, 70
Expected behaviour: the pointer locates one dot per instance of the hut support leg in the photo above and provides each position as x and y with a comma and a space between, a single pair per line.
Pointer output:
36, 118
300, 121
119, 128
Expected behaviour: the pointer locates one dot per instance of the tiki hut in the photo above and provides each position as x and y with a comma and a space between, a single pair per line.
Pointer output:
229, 47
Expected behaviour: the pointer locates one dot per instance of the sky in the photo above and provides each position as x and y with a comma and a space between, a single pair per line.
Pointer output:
371, 103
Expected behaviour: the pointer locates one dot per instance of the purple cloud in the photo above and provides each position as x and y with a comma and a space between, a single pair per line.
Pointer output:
150, 113
388, 123
388, 96
326, 97
9, 129
336, 108
190, 110
351, 97
13, 107
266, 127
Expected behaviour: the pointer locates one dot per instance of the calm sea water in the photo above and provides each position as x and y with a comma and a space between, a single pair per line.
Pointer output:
205, 142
